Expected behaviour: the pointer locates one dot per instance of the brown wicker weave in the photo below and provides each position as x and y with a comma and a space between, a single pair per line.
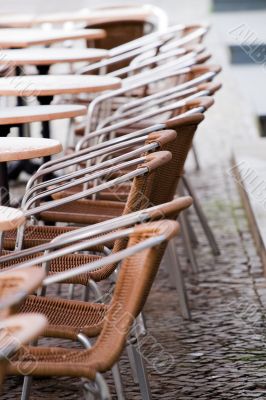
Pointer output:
166, 179
98, 211
190, 73
169, 210
166, 210
79, 212
118, 33
132, 288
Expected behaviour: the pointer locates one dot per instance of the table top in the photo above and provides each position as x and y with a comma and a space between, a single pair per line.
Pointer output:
51, 85
96, 16
13, 20
25, 148
10, 218
20, 38
25, 114
49, 56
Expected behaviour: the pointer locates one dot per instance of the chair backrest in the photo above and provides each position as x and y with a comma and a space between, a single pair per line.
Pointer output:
184, 78
134, 282
161, 186
118, 33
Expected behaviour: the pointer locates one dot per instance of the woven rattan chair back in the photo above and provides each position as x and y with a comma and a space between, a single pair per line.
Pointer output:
135, 279
118, 33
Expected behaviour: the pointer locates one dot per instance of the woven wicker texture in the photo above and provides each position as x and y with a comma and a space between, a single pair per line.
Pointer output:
134, 281
131, 30
168, 210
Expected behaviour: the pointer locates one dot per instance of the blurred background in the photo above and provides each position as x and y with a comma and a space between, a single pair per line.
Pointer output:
238, 25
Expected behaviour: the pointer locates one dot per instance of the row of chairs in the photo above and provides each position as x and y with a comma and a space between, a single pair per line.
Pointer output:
104, 215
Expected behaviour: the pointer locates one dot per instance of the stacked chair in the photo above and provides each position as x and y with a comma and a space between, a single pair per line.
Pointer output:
104, 215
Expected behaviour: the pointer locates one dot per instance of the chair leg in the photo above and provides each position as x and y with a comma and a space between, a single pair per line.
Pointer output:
97, 390
25, 395
196, 158
192, 234
141, 328
141, 373
115, 371
168, 262
187, 242
178, 279
202, 217
118, 382
132, 363
71, 289
94, 288
58, 290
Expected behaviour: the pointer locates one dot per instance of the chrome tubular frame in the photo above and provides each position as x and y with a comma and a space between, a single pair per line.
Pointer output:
170, 107
112, 258
78, 196
93, 168
87, 232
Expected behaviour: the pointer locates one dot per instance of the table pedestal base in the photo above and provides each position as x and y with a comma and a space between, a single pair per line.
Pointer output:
16, 167
4, 186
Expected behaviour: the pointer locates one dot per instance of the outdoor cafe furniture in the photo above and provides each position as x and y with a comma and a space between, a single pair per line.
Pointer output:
22, 38
86, 16
15, 149
44, 58
27, 148
45, 87
146, 247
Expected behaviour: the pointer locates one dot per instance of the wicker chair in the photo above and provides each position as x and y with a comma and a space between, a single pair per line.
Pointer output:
163, 187
59, 263
136, 275
79, 211
181, 80
178, 36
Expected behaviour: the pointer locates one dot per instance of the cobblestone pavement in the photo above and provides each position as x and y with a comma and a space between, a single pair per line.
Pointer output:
220, 353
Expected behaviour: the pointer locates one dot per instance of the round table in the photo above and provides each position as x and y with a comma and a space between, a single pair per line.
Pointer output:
51, 85
49, 56
45, 57
85, 15
18, 148
16, 116
96, 16
21, 38
10, 218
14, 20
45, 87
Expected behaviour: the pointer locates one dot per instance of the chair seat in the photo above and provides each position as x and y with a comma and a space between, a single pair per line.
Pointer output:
66, 263
67, 318
35, 235
120, 194
84, 212
42, 361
